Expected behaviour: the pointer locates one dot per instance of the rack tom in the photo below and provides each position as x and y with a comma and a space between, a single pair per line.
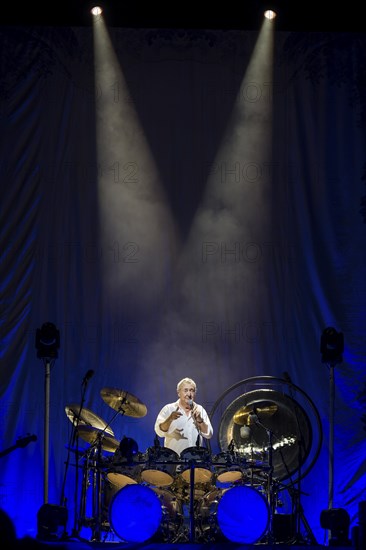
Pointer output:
198, 459
227, 467
125, 470
160, 467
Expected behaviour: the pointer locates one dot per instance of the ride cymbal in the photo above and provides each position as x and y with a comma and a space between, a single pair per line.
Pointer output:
86, 418
123, 402
94, 435
244, 416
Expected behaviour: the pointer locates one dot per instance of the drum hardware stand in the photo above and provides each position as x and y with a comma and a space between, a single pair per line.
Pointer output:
74, 440
300, 517
191, 503
97, 493
84, 487
254, 419
298, 509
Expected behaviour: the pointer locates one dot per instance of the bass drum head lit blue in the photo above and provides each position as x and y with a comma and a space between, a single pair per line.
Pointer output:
243, 514
135, 513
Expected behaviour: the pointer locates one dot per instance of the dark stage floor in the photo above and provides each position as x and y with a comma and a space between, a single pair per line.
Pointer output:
79, 545
83, 545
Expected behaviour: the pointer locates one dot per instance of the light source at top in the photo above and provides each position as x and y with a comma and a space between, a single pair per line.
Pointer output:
270, 14
97, 10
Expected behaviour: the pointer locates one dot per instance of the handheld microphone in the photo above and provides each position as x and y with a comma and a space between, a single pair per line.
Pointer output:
87, 377
190, 403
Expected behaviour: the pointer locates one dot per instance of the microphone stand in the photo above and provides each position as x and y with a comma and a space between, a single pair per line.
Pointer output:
74, 442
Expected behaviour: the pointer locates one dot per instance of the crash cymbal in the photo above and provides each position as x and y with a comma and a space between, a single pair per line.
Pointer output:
87, 418
123, 402
244, 416
92, 435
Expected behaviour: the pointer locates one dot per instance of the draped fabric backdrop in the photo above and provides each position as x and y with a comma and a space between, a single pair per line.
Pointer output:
136, 217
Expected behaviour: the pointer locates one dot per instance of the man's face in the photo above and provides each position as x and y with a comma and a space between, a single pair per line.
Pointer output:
186, 392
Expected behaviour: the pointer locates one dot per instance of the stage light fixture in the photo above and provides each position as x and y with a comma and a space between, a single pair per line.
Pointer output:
51, 522
47, 341
270, 14
337, 521
96, 10
331, 346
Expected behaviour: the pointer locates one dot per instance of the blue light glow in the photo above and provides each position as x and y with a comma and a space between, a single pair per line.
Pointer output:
243, 514
135, 513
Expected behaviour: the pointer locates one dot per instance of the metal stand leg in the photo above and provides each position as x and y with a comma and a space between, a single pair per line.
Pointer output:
84, 487
191, 504
300, 518
97, 494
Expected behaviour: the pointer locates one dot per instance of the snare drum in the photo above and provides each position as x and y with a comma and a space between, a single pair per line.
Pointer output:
160, 467
197, 458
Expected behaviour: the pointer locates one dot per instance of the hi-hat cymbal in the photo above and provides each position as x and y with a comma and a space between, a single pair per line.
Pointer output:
87, 418
243, 416
123, 402
92, 435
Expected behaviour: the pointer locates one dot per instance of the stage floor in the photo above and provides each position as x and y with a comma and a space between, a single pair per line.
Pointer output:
80, 545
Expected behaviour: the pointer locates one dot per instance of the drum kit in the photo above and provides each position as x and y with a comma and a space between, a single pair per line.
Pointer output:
160, 495
196, 496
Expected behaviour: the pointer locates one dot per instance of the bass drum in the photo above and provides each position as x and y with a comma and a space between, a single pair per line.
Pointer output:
239, 514
139, 513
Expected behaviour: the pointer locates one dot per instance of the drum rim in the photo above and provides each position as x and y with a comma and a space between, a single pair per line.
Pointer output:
198, 450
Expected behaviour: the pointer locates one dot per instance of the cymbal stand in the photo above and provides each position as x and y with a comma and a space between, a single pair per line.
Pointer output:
270, 476
97, 493
84, 488
74, 440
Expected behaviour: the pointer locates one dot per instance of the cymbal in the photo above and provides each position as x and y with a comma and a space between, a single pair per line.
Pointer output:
244, 416
91, 435
123, 402
87, 418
